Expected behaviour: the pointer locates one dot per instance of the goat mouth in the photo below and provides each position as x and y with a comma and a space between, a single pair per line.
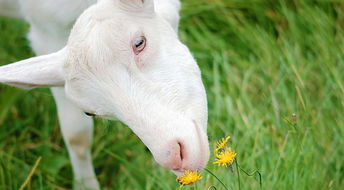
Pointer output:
178, 172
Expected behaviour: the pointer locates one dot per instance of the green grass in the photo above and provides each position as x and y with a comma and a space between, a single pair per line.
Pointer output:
262, 62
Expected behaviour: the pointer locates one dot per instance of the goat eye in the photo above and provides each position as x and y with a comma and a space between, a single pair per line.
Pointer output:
90, 114
139, 44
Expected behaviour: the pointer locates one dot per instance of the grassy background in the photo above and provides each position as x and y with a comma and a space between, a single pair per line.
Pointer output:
262, 62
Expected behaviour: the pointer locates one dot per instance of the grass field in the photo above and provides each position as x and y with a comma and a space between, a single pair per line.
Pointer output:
274, 74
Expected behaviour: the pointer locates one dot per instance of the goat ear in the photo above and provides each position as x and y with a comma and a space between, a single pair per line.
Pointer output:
40, 71
146, 6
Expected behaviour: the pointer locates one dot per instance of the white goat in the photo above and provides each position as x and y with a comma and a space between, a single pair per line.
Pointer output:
122, 60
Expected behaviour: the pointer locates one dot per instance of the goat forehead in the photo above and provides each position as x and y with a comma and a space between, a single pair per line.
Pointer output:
110, 10
119, 26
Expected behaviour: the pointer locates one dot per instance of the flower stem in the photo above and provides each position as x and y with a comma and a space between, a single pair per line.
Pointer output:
238, 173
195, 187
248, 174
212, 187
216, 178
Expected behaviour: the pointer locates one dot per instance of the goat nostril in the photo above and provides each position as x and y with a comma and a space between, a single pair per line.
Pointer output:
175, 155
181, 150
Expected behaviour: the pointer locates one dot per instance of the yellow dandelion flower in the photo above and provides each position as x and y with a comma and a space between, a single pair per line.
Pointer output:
222, 143
189, 177
225, 158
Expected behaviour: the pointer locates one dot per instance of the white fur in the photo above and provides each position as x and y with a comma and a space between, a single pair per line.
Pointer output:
158, 93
